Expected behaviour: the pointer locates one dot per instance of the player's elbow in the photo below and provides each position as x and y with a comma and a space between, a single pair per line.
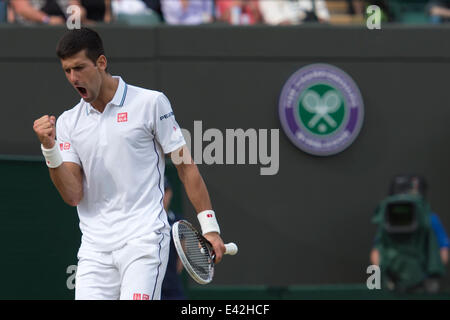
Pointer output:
74, 200
71, 202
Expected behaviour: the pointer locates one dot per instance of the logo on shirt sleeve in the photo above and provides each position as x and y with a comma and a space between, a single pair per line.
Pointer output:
166, 116
122, 117
64, 146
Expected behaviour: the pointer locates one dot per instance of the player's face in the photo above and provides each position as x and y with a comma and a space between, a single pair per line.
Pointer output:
84, 75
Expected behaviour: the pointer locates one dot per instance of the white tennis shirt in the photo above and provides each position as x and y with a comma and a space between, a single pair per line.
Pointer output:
121, 152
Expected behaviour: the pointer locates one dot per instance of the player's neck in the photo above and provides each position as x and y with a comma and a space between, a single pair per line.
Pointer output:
107, 92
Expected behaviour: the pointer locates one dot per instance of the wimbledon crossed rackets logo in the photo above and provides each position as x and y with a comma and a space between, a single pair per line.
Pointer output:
321, 109
321, 114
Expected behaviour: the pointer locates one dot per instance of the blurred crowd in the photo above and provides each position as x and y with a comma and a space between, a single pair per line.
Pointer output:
234, 12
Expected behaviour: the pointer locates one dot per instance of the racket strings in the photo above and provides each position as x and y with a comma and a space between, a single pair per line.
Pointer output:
197, 252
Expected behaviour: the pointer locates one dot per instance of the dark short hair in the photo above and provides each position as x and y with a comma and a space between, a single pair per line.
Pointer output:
76, 40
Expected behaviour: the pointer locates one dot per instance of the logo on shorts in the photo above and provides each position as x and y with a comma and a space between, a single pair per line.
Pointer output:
122, 117
139, 296
321, 109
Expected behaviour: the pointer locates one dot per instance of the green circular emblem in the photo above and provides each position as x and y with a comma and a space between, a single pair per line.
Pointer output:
321, 109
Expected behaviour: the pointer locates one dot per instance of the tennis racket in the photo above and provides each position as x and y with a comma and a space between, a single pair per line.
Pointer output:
196, 252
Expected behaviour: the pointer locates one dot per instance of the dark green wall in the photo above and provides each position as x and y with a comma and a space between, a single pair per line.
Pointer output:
39, 235
315, 213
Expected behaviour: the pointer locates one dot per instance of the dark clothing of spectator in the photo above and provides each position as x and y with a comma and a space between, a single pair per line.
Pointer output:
52, 8
95, 9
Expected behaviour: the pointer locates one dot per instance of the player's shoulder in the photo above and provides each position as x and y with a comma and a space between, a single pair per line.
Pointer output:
149, 94
73, 114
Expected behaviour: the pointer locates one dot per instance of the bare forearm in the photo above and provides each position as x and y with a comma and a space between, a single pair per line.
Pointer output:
108, 13
444, 255
28, 12
195, 187
69, 186
440, 11
375, 257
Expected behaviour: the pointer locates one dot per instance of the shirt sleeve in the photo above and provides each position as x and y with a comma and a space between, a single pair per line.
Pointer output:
439, 230
66, 146
166, 129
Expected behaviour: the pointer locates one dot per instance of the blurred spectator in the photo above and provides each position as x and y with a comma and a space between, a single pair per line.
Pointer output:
441, 235
137, 12
287, 12
396, 10
404, 184
187, 12
54, 12
95, 11
439, 11
411, 245
9, 12
50, 12
155, 5
3, 11
172, 287
238, 12
355, 7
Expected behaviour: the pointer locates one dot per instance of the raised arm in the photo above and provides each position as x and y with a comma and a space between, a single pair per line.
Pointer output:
66, 176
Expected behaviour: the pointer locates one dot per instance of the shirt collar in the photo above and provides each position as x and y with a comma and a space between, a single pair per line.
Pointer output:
121, 93
119, 97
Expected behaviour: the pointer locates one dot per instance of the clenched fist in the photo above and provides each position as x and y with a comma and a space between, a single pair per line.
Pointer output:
45, 130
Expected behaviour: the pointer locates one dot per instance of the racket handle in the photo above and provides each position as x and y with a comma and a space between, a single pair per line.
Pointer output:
231, 248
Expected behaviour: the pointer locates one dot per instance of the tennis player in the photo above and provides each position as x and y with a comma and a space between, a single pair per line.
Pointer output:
106, 157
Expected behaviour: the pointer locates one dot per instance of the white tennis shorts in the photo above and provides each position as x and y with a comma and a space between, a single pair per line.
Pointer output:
134, 272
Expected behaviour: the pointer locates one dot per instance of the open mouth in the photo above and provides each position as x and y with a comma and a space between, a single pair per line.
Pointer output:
82, 91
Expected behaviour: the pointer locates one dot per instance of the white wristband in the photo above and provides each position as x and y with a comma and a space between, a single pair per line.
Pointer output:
52, 156
208, 222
